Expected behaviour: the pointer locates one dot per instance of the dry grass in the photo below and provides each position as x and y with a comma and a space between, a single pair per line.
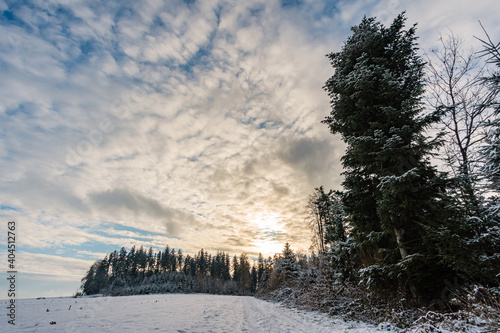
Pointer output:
477, 309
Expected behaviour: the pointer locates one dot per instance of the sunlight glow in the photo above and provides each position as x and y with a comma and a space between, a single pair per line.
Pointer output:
267, 221
270, 226
267, 248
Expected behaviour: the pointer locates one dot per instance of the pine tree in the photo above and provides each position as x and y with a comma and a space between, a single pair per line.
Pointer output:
121, 265
236, 269
113, 263
244, 278
491, 151
165, 260
255, 280
260, 268
226, 275
88, 283
186, 268
132, 263
180, 259
141, 259
202, 262
392, 191
288, 262
158, 262
173, 261
150, 262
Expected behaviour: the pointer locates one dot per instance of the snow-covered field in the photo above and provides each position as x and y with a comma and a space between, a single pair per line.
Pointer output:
168, 313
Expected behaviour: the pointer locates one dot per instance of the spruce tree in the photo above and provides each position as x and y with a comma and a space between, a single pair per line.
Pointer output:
261, 268
491, 151
132, 263
122, 263
173, 261
179, 259
244, 277
166, 260
236, 269
88, 282
391, 190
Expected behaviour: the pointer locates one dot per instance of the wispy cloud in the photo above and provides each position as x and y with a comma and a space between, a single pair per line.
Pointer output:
53, 267
124, 202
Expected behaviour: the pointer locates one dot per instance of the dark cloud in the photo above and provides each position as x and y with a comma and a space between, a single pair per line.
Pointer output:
314, 157
121, 202
39, 191
280, 190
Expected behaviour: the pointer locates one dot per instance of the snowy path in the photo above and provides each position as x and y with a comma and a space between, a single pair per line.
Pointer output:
168, 313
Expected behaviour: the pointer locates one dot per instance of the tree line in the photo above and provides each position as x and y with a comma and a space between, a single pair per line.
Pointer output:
141, 271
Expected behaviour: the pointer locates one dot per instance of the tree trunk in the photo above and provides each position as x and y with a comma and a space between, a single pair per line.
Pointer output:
401, 245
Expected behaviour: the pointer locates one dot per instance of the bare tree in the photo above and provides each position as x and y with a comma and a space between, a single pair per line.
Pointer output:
454, 88
315, 223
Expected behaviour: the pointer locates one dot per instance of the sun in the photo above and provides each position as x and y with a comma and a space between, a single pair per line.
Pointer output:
270, 226
267, 221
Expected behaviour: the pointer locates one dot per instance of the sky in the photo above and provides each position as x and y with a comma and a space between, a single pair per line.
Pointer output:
191, 123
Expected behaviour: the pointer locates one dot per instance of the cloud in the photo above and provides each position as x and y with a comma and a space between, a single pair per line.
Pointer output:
312, 157
52, 267
120, 203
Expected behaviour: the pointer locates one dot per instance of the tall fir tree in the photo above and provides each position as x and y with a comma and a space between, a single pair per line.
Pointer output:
391, 190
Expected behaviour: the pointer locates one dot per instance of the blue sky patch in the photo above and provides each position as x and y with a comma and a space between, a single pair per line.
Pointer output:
7, 14
290, 3
5, 207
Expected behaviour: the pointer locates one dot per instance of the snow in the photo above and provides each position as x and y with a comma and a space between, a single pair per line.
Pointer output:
170, 313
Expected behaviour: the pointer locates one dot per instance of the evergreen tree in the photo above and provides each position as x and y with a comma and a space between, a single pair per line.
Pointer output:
288, 262
132, 263
166, 259
244, 277
392, 191
113, 264
236, 269
101, 277
173, 261
180, 259
202, 263
141, 260
260, 268
158, 262
150, 262
186, 268
491, 151
88, 283
255, 279
121, 265
226, 275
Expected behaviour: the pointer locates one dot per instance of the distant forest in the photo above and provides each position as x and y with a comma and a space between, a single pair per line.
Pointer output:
401, 232
146, 272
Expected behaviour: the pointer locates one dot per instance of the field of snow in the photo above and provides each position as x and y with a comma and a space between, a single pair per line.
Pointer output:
168, 313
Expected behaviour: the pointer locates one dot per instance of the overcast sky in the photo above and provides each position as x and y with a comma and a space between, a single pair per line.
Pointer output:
189, 123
